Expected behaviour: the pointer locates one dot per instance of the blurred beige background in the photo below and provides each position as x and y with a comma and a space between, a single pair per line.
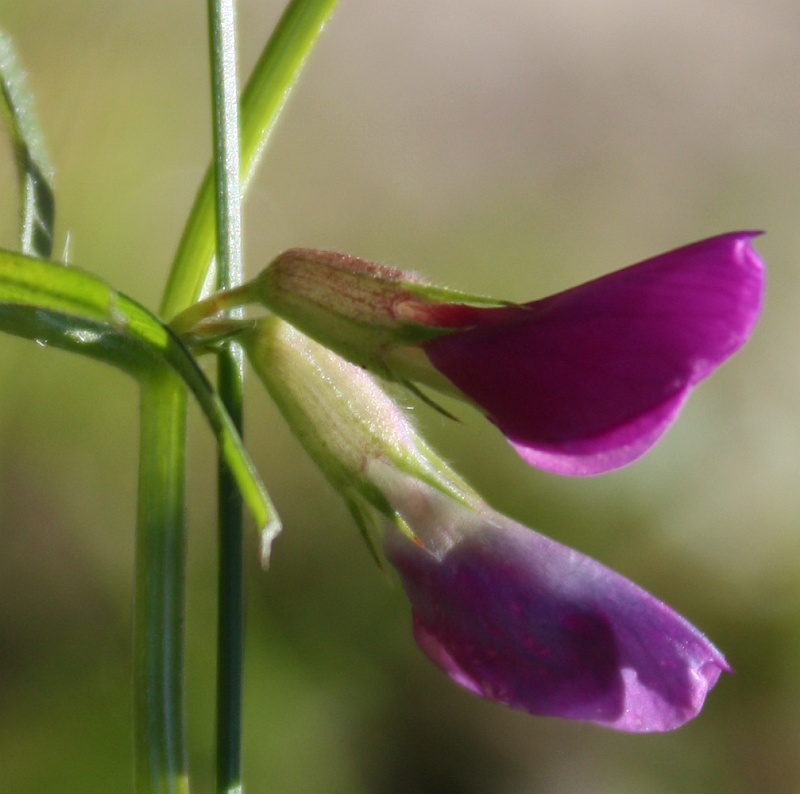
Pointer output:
509, 147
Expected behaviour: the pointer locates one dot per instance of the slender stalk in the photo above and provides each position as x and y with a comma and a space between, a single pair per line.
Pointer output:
264, 97
230, 607
230, 376
213, 305
158, 686
158, 611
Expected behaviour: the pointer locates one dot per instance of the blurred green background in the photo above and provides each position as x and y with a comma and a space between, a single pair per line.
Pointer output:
512, 148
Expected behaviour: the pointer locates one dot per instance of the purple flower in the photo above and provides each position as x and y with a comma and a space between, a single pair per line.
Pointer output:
505, 612
587, 380
518, 618
580, 383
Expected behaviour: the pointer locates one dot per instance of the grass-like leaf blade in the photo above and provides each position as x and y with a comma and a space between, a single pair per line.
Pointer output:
72, 309
37, 201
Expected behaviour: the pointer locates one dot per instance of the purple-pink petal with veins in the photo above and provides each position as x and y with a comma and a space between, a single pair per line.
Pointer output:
518, 618
587, 380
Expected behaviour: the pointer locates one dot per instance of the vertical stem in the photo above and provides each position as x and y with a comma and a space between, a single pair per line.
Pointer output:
230, 375
159, 602
275, 75
265, 95
230, 610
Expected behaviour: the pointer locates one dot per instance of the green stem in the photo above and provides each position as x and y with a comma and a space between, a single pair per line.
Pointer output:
158, 683
263, 99
213, 305
158, 612
230, 378
230, 604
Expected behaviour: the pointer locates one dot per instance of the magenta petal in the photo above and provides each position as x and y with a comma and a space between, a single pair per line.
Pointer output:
587, 380
518, 618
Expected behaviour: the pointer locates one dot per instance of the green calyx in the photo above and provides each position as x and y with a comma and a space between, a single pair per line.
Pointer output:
361, 309
371, 314
346, 422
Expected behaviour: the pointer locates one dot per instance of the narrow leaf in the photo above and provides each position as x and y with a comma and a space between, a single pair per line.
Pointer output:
37, 202
74, 310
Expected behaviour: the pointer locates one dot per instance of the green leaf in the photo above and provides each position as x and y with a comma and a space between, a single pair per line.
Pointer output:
37, 202
75, 310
